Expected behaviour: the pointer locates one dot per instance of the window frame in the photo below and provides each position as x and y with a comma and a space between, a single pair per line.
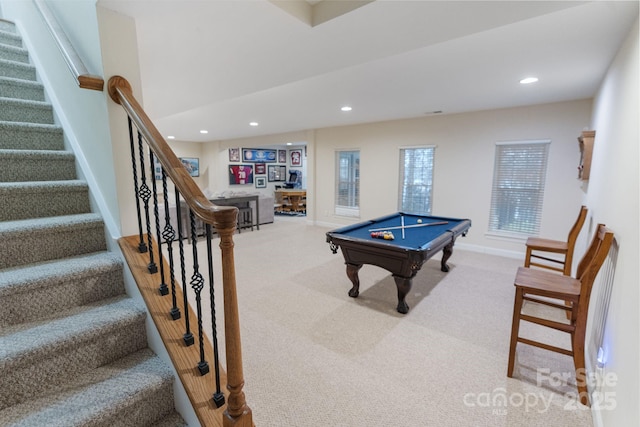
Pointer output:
352, 181
533, 216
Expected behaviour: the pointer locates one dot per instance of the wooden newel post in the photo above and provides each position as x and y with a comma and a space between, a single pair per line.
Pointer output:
237, 413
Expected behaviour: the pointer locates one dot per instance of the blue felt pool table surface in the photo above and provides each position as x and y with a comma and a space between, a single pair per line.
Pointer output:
416, 236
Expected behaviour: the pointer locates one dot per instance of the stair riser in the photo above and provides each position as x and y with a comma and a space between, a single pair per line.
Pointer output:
16, 90
37, 375
17, 70
12, 53
43, 202
55, 294
26, 112
14, 136
46, 244
28, 168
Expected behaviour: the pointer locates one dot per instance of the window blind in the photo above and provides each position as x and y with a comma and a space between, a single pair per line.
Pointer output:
518, 187
416, 180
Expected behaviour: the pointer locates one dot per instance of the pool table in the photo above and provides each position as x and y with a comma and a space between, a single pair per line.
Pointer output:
416, 238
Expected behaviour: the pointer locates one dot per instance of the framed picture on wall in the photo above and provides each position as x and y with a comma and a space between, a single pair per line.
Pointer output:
258, 155
261, 168
277, 173
234, 154
261, 182
282, 156
240, 174
295, 157
192, 165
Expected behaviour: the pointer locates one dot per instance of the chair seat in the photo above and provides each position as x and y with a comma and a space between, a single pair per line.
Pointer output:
547, 245
548, 284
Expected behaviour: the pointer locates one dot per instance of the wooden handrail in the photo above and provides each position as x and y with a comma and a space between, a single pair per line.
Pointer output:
223, 218
71, 57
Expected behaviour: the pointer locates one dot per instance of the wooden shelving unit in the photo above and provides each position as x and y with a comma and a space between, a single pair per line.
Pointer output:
586, 152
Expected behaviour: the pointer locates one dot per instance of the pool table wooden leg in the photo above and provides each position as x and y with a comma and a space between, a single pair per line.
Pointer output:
446, 254
352, 274
404, 286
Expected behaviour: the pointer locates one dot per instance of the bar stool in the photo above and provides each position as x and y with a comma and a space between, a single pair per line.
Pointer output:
550, 289
245, 218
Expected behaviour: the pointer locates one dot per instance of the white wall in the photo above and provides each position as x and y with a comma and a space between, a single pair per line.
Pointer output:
120, 57
463, 165
612, 195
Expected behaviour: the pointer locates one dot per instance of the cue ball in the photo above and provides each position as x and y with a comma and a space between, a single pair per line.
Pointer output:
419, 221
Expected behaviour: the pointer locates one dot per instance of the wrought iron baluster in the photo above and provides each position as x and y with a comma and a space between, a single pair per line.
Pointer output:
142, 247
197, 283
169, 235
145, 195
163, 288
188, 336
218, 396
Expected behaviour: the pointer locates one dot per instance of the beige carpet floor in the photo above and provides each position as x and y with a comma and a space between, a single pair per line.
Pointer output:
313, 356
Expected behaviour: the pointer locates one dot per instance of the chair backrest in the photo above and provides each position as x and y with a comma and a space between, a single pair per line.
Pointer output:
591, 262
575, 230
577, 226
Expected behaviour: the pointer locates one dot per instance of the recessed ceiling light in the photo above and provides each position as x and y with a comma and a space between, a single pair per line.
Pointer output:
346, 108
289, 143
253, 123
171, 137
529, 80
204, 131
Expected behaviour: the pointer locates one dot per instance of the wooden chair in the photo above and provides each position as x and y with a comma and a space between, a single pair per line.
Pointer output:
565, 249
544, 287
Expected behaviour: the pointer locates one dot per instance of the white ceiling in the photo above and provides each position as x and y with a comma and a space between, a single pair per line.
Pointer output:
220, 64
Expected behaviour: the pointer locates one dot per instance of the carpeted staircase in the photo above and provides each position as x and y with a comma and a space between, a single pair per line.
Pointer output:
73, 347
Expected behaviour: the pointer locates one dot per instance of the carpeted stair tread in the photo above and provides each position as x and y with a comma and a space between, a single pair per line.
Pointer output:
73, 345
10, 38
21, 89
30, 241
17, 69
36, 291
172, 420
7, 26
36, 357
133, 391
30, 136
25, 111
14, 53
36, 165
25, 343
38, 199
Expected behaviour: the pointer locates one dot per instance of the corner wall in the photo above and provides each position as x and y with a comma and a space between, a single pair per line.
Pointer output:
612, 195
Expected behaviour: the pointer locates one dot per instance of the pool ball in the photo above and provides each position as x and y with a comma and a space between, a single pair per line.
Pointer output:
419, 221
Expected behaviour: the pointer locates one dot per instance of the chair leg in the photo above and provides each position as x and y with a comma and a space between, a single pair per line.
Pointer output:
515, 327
579, 362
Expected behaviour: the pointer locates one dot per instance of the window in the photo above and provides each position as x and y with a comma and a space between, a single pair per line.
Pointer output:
518, 187
347, 183
416, 180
